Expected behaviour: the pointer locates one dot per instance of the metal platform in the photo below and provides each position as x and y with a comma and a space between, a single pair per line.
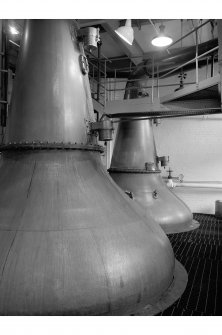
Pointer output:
195, 99
204, 89
200, 252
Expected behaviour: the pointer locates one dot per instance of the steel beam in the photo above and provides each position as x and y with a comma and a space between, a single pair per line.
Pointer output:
131, 51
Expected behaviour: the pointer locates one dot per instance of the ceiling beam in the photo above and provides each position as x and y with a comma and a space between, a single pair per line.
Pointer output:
134, 52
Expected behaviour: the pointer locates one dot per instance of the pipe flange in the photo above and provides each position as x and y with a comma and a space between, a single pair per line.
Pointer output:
125, 170
50, 146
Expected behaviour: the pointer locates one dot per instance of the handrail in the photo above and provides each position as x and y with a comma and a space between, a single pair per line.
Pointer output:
131, 88
190, 61
96, 66
189, 33
101, 85
155, 76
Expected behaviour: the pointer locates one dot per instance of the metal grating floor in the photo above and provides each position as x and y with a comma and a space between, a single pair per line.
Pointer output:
200, 252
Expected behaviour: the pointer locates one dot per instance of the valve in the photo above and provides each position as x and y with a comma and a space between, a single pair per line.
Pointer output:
182, 76
170, 173
104, 128
130, 194
155, 194
164, 160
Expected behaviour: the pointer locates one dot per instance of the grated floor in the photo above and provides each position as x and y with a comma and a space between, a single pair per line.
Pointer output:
200, 252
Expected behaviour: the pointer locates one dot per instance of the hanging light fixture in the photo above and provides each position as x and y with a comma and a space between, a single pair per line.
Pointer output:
161, 40
126, 32
13, 30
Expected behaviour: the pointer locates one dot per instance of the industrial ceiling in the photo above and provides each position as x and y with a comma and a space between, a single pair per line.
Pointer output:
120, 53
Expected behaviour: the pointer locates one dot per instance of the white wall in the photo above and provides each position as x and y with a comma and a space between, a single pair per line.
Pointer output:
194, 145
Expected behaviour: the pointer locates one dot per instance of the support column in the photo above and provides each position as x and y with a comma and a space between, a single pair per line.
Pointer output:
219, 27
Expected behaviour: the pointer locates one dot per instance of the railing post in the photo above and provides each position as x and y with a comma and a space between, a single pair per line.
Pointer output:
212, 71
105, 84
158, 90
152, 78
115, 86
99, 44
197, 76
207, 67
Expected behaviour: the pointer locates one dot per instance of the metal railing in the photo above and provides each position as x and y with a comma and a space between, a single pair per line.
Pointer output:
105, 88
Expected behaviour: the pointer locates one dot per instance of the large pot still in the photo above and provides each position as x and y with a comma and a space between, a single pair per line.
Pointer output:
71, 243
134, 167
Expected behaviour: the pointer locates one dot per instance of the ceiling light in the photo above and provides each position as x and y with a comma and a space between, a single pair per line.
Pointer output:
126, 32
13, 30
161, 40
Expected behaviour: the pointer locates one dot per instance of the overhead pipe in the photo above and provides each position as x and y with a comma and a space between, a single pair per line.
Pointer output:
71, 242
172, 184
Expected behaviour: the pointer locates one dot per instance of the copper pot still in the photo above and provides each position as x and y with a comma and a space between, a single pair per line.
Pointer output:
71, 242
134, 167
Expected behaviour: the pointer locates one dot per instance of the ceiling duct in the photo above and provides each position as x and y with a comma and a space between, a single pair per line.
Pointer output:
71, 243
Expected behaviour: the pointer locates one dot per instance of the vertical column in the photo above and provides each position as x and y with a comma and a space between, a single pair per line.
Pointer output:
219, 27
1, 131
3, 76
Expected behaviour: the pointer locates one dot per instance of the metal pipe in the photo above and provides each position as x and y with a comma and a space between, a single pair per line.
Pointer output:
173, 184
